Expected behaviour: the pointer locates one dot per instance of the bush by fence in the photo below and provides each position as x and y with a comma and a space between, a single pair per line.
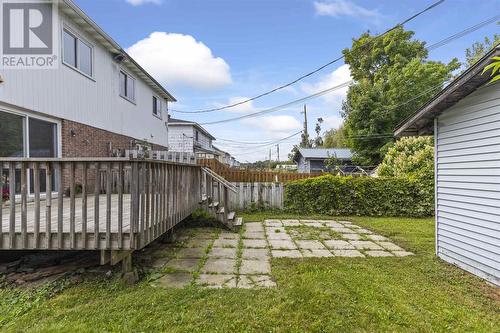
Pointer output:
360, 196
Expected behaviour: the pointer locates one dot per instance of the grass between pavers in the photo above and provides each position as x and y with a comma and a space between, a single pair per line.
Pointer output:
416, 293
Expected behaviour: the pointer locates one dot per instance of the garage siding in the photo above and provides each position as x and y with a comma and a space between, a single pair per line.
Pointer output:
468, 184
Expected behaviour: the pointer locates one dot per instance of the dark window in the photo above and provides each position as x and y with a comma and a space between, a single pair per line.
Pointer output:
84, 58
42, 138
197, 135
127, 86
77, 53
69, 47
11, 135
156, 107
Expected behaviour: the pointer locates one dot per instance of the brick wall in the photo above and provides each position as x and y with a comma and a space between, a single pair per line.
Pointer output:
79, 140
89, 141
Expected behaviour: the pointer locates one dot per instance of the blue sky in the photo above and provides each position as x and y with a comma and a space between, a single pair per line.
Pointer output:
211, 53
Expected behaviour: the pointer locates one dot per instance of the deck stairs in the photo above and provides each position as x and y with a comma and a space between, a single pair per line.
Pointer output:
215, 199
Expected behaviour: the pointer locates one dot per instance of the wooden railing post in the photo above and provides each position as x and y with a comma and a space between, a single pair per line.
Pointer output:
134, 205
1, 204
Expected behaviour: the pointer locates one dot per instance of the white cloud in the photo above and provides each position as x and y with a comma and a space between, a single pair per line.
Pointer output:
275, 126
142, 2
177, 59
330, 122
335, 78
337, 8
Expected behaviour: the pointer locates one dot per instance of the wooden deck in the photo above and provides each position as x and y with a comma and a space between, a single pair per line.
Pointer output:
66, 216
124, 204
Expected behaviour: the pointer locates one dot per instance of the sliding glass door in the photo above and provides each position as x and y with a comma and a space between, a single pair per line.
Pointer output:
26, 136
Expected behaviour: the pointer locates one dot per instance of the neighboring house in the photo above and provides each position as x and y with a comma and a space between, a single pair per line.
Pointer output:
189, 137
225, 158
97, 101
465, 120
313, 159
289, 167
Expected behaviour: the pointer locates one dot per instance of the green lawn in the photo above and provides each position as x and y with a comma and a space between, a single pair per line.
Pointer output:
418, 293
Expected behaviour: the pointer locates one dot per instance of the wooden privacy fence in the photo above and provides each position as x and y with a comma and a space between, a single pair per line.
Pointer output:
257, 195
110, 204
238, 175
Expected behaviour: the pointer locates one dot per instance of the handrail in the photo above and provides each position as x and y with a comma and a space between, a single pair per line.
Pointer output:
93, 203
89, 160
229, 185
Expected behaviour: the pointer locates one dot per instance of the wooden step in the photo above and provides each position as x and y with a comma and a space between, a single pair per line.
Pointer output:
231, 216
214, 204
204, 198
238, 222
221, 210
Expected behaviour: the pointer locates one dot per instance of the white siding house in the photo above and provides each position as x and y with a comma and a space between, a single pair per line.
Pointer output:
87, 93
465, 118
187, 136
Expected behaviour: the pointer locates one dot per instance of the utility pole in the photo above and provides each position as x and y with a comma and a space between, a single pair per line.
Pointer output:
306, 134
278, 151
269, 158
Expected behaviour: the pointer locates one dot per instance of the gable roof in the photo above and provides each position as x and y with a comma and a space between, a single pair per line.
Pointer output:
182, 122
422, 121
69, 8
322, 153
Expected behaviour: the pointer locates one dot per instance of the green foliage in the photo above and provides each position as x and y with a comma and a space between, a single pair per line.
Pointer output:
388, 73
332, 195
495, 69
335, 138
479, 49
411, 157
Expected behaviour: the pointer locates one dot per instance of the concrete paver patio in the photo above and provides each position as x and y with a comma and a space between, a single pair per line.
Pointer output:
213, 258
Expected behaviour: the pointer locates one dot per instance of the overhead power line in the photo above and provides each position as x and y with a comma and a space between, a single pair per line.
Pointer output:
280, 107
433, 46
300, 78
463, 32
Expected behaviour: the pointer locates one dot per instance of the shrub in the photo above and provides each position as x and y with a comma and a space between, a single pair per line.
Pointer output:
411, 157
332, 195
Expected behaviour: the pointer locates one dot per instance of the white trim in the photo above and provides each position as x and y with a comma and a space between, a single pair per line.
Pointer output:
27, 116
77, 36
436, 211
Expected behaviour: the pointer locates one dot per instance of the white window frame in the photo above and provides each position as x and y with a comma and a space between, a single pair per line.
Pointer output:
129, 77
26, 139
159, 105
78, 37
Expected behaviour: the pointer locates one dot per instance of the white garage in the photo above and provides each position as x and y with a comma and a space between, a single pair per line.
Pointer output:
465, 121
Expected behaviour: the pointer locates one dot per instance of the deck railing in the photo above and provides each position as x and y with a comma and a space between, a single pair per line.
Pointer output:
93, 204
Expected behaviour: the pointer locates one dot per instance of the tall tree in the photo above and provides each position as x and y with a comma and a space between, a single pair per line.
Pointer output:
479, 49
335, 138
318, 141
392, 79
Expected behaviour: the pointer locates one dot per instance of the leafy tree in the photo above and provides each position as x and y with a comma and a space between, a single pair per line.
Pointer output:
318, 141
392, 79
495, 69
335, 138
479, 49
411, 157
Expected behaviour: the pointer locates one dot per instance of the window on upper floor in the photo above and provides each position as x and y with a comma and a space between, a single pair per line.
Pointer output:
127, 86
156, 107
197, 135
77, 53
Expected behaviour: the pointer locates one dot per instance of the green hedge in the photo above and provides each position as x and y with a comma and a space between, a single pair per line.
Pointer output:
366, 196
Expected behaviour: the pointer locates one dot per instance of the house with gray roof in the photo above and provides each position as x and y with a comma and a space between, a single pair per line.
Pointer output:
313, 159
